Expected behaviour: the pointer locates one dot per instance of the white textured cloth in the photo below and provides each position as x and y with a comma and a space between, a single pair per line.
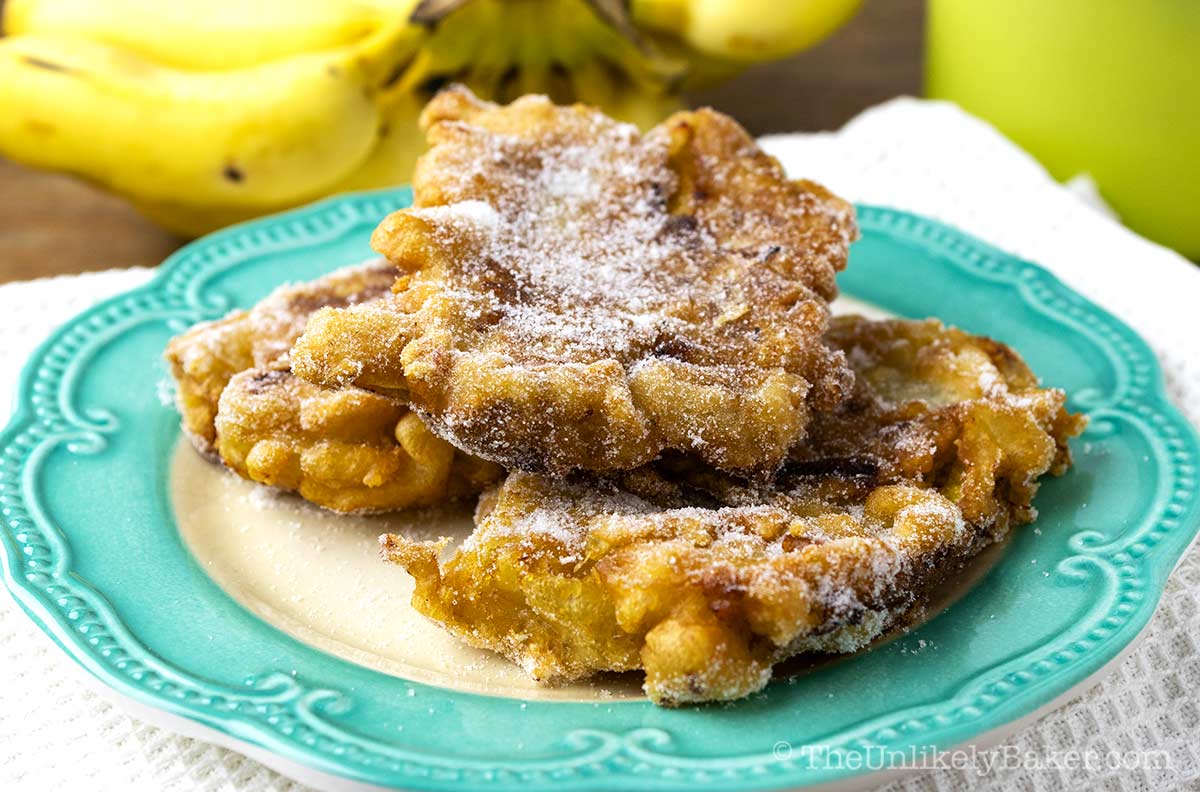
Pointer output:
927, 157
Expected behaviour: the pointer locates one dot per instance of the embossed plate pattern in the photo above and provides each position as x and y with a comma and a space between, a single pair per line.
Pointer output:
92, 554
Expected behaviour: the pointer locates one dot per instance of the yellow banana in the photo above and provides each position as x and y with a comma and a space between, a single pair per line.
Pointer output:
218, 34
390, 162
266, 134
744, 30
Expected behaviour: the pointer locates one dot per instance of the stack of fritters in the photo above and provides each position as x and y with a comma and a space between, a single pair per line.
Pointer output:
576, 296
706, 474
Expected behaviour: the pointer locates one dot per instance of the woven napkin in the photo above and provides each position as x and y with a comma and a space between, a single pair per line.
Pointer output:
927, 157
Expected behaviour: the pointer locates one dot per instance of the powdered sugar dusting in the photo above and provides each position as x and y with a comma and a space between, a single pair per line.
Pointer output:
563, 228
584, 235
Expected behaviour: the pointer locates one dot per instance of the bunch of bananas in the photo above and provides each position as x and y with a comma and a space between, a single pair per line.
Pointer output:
207, 113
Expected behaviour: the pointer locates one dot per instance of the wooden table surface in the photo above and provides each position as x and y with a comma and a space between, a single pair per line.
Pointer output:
52, 224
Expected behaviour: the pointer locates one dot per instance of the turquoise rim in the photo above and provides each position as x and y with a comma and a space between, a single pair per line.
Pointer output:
91, 552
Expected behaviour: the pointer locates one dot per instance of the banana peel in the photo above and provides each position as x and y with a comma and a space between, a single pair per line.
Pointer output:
212, 36
389, 162
210, 145
743, 31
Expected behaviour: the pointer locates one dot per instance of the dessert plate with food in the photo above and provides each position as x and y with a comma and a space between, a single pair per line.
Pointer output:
596, 459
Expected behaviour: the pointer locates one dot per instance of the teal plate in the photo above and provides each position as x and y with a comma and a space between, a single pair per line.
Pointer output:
92, 553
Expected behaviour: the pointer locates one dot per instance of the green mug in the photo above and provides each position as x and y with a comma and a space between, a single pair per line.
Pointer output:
1110, 88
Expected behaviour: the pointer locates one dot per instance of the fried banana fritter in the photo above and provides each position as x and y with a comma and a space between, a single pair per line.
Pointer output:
349, 450
705, 581
206, 357
578, 296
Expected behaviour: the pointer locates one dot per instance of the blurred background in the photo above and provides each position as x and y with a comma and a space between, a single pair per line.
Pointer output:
104, 107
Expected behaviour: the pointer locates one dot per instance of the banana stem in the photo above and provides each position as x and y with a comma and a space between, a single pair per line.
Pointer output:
383, 56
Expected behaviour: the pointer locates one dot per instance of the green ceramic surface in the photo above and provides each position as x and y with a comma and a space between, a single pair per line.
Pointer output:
1110, 88
91, 551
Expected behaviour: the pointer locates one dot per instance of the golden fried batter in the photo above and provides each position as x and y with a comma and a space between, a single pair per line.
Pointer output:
579, 296
705, 582
204, 358
347, 450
